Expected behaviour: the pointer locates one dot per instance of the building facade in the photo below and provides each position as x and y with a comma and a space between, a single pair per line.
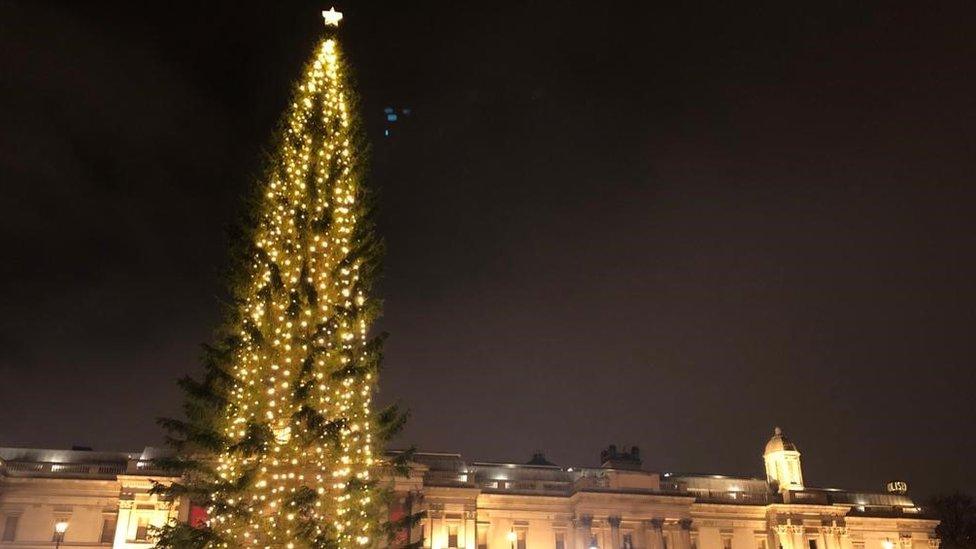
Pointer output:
105, 500
619, 505
102, 497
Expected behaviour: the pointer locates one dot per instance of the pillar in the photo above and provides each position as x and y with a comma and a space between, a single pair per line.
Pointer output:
798, 541
583, 526
615, 540
122, 524
655, 534
470, 539
831, 536
845, 539
435, 521
684, 534
784, 537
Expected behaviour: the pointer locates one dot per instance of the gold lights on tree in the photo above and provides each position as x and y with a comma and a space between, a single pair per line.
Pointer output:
291, 456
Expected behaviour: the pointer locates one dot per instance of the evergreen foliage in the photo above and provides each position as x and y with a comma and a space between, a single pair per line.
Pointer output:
279, 443
957, 520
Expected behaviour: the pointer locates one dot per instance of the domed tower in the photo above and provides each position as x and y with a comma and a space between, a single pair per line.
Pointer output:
783, 462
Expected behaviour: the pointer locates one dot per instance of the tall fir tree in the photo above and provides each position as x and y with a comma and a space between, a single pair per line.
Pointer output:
279, 444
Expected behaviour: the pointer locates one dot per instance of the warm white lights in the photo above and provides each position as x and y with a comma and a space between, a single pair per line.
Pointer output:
61, 526
332, 17
298, 372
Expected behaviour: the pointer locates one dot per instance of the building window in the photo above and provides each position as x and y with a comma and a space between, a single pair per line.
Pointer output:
813, 543
108, 529
727, 543
10, 528
628, 541
521, 540
761, 543
665, 540
452, 537
142, 530
560, 540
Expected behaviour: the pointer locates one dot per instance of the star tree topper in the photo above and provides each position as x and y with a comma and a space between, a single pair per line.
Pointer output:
332, 17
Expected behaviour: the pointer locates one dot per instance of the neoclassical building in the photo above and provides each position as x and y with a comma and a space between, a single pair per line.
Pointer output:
478, 505
103, 497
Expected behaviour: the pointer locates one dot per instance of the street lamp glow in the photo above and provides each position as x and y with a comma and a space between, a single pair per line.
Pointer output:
512, 536
60, 527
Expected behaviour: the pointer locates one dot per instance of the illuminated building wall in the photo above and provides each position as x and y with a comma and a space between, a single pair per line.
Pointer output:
478, 505
103, 496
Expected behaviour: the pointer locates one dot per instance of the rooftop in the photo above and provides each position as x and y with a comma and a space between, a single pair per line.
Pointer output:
537, 476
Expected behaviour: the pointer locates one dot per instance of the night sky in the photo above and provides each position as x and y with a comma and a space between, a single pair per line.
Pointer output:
606, 223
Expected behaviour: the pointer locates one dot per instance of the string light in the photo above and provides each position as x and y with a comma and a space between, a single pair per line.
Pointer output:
305, 305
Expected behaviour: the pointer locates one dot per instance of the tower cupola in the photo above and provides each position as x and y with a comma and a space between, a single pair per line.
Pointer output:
783, 462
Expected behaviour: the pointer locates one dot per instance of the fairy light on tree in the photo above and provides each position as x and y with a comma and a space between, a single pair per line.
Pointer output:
279, 444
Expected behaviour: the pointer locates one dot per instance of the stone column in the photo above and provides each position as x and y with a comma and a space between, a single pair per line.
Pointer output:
641, 538
845, 540
122, 523
583, 527
655, 534
831, 535
784, 536
470, 538
684, 534
798, 541
823, 539
905, 538
434, 525
615, 539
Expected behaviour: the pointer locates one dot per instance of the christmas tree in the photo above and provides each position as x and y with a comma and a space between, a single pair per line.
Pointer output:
280, 446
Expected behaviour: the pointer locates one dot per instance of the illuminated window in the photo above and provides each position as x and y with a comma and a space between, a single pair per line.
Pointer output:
452, 537
108, 529
10, 528
142, 530
521, 540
